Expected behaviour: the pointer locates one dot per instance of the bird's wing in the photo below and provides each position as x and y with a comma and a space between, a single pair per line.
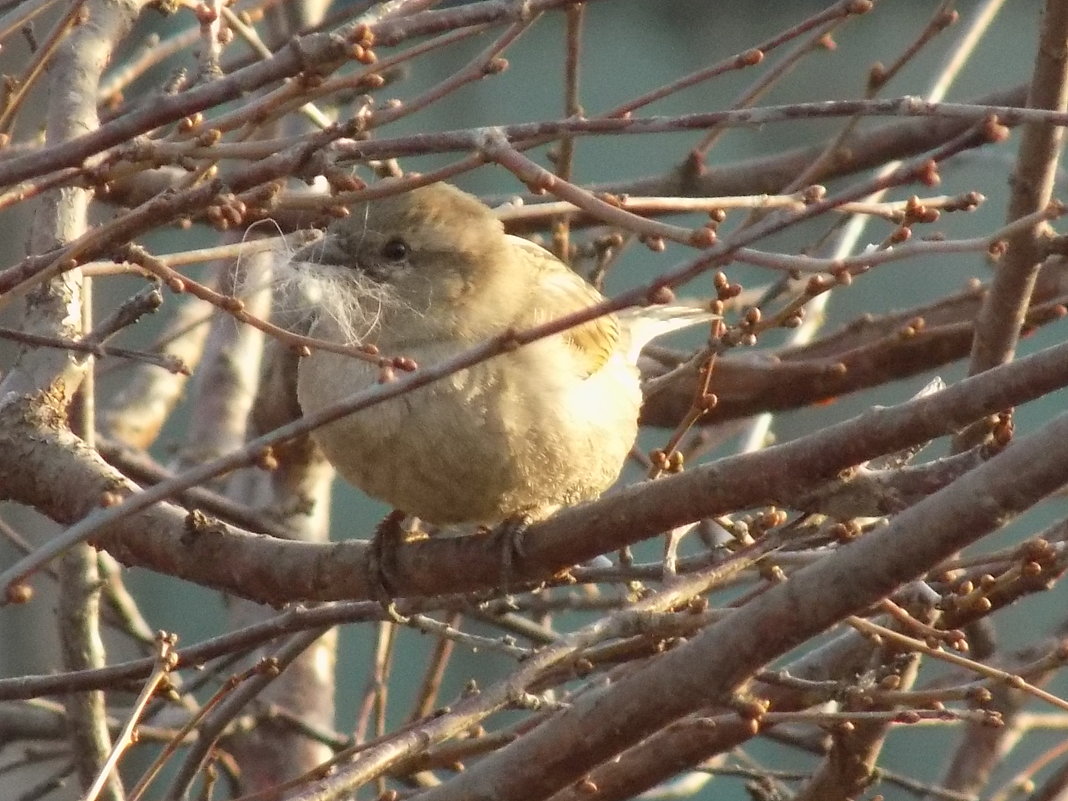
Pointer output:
560, 291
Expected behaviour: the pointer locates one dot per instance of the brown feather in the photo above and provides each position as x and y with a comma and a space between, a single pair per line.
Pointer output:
561, 291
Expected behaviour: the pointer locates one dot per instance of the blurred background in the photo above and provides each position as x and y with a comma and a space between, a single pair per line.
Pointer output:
629, 46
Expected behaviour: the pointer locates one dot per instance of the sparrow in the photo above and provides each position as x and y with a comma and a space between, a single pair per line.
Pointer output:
427, 275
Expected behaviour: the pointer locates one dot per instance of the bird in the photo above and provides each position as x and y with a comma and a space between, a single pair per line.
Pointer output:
427, 275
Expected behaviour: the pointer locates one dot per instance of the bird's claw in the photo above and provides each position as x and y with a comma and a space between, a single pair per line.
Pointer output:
382, 559
511, 532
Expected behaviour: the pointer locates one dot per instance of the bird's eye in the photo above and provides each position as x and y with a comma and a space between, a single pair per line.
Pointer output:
395, 249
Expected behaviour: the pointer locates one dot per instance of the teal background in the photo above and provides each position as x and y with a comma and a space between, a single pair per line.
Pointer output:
632, 46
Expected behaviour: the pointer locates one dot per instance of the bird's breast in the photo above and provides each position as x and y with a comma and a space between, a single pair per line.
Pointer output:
522, 433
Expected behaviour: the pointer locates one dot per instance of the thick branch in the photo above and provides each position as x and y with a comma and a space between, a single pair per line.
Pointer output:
1003, 311
52, 470
599, 725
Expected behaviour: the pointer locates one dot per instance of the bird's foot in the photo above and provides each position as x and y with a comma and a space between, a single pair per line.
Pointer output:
511, 532
382, 560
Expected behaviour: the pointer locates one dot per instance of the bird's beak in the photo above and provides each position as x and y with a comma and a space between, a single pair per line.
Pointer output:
327, 250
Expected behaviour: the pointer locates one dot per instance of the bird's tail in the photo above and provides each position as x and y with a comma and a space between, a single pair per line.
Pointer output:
646, 323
